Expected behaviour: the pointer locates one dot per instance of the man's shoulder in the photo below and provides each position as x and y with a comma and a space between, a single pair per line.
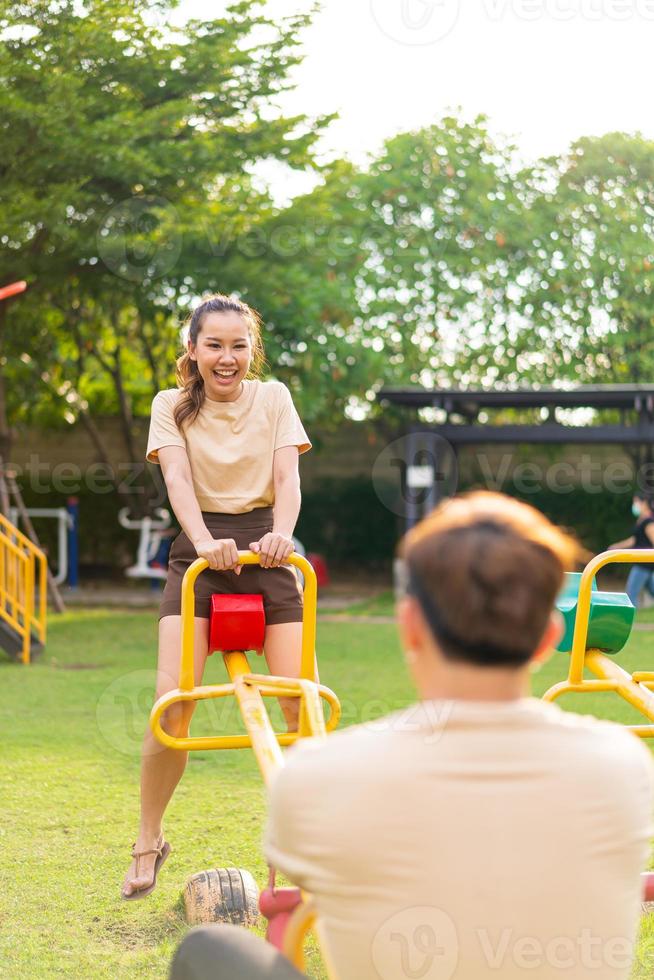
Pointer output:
606, 745
573, 739
585, 728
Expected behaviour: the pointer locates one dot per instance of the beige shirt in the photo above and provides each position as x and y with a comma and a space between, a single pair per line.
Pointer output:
230, 445
470, 841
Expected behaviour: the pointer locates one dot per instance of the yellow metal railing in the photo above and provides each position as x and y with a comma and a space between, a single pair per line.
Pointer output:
249, 688
636, 688
23, 586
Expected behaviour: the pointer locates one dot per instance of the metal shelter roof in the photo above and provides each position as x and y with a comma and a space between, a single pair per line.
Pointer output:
635, 402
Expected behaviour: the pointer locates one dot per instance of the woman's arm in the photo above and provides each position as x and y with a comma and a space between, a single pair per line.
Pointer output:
286, 480
277, 545
221, 554
649, 531
627, 543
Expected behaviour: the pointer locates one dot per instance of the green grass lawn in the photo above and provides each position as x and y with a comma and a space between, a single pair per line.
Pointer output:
71, 730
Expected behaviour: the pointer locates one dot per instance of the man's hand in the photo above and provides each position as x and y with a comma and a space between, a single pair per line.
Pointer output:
221, 553
273, 549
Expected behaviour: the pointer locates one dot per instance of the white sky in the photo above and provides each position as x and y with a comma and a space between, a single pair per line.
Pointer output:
544, 71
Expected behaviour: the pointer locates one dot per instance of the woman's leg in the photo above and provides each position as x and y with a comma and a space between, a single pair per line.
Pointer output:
637, 578
161, 767
283, 650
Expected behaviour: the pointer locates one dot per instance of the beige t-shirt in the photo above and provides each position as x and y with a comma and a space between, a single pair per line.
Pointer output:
230, 445
470, 841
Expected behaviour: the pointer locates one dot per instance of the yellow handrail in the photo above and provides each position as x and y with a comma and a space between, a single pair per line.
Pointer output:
304, 686
23, 585
308, 665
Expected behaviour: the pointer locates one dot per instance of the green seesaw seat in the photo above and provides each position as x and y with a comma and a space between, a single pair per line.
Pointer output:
611, 616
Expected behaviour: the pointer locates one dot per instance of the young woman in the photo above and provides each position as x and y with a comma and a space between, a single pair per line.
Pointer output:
228, 445
642, 536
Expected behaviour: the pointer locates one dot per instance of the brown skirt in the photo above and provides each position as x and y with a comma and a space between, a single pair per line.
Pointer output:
282, 595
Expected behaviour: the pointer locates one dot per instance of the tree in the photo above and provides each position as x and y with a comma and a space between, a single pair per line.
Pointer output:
441, 212
115, 130
586, 293
299, 266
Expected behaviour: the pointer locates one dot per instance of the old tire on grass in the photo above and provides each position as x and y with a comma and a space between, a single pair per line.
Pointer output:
222, 895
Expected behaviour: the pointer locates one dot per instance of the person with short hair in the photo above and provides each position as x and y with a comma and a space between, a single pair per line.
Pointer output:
479, 833
642, 536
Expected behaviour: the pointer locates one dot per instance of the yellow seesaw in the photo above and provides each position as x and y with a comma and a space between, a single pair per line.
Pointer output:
230, 894
602, 625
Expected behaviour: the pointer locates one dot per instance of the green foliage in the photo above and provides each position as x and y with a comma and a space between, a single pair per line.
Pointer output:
597, 519
301, 265
440, 205
581, 306
346, 522
127, 191
117, 130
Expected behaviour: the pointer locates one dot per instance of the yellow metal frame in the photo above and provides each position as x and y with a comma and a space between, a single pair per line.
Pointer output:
23, 585
249, 690
634, 688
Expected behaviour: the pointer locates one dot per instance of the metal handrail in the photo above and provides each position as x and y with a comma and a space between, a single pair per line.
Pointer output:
23, 594
308, 664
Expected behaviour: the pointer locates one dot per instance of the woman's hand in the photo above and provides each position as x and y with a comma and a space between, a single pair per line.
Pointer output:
221, 553
273, 549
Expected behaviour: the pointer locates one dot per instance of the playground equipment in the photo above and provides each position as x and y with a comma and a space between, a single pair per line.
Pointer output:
149, 541
597, 626
23, 568
13, 289
65, 524
237, 625
23, 594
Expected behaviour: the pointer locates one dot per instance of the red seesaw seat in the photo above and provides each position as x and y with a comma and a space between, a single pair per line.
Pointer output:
278, 905
237, 622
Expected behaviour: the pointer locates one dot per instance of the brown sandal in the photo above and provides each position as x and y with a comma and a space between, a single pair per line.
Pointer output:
162, 853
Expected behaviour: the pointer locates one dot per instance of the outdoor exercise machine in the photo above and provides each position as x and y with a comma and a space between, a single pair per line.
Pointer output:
66, 536
237, 624
149, 540
597, 627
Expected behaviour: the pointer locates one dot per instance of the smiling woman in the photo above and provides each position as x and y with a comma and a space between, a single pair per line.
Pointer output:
228, 445
224, 346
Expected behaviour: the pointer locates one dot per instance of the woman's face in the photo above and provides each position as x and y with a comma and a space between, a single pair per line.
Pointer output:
639, 506
223, 353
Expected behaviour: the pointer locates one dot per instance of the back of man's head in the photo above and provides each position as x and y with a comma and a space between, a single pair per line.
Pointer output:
485, 570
